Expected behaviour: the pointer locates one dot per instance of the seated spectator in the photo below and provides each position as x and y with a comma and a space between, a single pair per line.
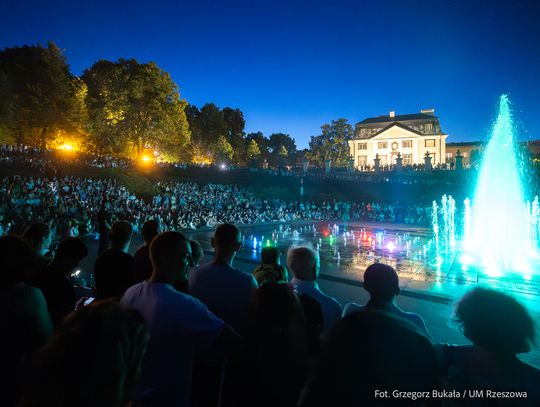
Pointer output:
499, 328
270, 270
276, 347
113, 272
382, 283
38, 236
303, 263
370, 352
142, 266
55, 280
224, 289
94, 359
23, 316
176, 322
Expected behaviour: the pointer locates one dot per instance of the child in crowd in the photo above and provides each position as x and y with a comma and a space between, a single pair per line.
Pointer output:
270, 270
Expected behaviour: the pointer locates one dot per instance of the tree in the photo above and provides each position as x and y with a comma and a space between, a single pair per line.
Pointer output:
234, 120
275, 143
133, 106
39, 97
253, 152
223, 150
331, 144
262, 143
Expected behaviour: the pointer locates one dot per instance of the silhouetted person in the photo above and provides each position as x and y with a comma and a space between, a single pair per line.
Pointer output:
142, 266
271, 370
25, 321
38, 236
55, 280
197, 252
226, 291
499, 328
182, 284
113, 271
382, 283
270, 270
104, 219
176, 321
94, 359
303, 263
370, 352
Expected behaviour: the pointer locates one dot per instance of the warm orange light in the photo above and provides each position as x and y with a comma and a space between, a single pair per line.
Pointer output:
67, 147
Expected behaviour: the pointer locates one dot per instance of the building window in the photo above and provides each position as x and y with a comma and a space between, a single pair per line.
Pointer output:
430, 142
465, 154
362, 146
382, 145
384, 159
362, 160
449, 155
429, 128
407, 159
407, 144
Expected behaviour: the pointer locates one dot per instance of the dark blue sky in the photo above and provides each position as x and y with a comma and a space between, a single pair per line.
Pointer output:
293, 66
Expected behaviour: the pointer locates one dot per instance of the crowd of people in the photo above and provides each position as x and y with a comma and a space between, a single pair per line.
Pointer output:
162, 330
78, 207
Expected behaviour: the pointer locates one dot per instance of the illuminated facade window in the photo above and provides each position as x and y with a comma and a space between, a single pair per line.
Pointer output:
407, 159
362, 146
382, 145
407, 144
430, 142
362, 160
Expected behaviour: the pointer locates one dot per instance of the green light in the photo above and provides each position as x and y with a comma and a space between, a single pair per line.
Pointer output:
268, 243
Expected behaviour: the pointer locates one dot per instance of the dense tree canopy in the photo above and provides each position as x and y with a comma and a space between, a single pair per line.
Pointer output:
133, 106
331, 144
39, 97
283, 150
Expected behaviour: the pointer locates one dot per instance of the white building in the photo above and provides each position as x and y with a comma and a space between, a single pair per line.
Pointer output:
412, 135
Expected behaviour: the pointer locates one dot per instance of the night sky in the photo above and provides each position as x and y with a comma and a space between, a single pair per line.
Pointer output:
293, 66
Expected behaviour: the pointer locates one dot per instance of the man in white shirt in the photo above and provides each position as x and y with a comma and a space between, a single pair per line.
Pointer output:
176, 322
382, 283
303, 262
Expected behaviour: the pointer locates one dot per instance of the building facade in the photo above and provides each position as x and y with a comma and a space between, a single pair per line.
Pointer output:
411, 135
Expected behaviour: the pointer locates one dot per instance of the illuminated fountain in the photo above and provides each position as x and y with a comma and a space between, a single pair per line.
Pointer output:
500, 221
499, 228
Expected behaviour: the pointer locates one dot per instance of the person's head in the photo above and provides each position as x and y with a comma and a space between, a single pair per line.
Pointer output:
70, 252
227, 240
369, 351
276, 322
381, 282
196, 251
495, 321
16, 257
38, 236
149, 230
303, 262
93, 359
269, 255
120, 234
170, 254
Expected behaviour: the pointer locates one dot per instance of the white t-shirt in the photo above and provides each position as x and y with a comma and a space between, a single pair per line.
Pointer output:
176, 321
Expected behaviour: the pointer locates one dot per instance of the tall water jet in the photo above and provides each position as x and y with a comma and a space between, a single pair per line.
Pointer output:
499, 228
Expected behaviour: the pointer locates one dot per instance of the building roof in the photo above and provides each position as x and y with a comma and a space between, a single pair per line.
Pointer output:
399, 118
392, 125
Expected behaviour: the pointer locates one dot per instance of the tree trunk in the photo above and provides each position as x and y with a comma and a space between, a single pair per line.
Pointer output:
43, 137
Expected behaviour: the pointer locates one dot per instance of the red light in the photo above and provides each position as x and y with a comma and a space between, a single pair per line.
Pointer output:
325, 233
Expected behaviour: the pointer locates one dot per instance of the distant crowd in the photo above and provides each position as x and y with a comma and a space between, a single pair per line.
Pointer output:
166, 328
78, 207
